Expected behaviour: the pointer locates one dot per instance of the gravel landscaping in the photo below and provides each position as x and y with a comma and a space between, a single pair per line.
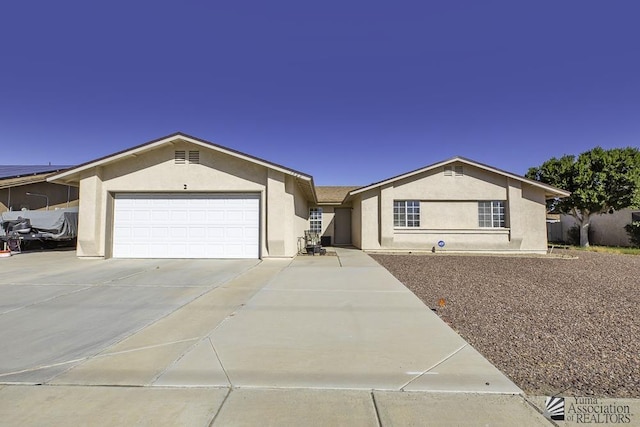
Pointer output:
568, 326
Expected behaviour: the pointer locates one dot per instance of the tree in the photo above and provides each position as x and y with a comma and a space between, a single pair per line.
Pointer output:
600, 181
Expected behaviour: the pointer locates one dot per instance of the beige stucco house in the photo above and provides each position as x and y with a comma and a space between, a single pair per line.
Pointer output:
457, 205
184, 197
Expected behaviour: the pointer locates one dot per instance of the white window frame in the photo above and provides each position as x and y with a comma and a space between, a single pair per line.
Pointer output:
406, 213
491, 214
315, 220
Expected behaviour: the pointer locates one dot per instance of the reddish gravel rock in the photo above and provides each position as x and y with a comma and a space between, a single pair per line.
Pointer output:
568, 326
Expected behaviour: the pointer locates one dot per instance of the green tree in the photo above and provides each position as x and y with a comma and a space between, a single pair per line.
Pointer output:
600, 181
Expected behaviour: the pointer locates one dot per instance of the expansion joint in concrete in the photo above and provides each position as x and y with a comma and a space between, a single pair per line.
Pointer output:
433, 367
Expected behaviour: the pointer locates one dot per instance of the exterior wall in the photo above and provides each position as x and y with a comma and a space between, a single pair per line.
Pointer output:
532, 212
370, 227
605, 230
299, 216
356, 223
449, 212
91, 216
60, 196
156, 171
329, 220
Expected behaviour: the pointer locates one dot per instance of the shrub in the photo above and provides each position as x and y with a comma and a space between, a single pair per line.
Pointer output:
633, 230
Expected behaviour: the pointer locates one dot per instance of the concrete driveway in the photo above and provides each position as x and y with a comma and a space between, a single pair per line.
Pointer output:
56, 310
333, 340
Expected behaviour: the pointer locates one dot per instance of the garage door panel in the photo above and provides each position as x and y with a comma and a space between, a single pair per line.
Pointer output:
186, 226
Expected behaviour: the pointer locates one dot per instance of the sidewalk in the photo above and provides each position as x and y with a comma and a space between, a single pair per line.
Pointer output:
325, 340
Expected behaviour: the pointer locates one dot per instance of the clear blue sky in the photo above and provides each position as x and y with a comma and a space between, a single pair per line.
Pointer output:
350, 92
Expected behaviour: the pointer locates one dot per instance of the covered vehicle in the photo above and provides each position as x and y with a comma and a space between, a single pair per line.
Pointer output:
46, 227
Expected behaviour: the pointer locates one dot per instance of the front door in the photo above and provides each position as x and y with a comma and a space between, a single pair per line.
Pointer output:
342, 226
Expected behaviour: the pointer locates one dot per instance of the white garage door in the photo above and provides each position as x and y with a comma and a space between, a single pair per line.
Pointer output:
186, 226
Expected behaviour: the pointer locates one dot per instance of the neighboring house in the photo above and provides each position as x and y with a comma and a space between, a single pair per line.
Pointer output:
605, 230
26, 187
183, 197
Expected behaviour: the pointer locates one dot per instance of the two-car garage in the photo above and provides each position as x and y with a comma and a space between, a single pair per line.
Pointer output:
195, 225
184, 197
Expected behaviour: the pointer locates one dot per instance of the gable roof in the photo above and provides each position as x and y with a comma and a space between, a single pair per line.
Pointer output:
333, 195
550, 191
73, 174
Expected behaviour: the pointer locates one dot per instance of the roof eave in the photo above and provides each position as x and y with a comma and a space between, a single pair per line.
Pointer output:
549, 190
73, 175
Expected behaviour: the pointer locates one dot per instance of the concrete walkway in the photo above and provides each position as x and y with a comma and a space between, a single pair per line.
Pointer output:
331, 340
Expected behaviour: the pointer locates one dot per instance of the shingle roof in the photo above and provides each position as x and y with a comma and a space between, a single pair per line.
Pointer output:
14, 171
333, 194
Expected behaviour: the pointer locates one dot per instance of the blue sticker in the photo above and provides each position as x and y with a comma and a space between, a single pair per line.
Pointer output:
441, 243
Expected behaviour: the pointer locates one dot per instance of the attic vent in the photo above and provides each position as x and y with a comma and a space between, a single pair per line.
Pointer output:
181, 157
194, 157
453, 170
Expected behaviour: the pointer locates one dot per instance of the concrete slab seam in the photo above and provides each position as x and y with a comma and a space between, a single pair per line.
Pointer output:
226, 374
157, 267
147, 347
239, 306
84, 359
154, 321
432, 367
242, 273
215, 416
172, 364
37, 368
46, 299
375, 408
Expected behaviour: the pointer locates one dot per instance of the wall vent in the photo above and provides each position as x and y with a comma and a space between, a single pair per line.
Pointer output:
180, 157
453, 170
194, 157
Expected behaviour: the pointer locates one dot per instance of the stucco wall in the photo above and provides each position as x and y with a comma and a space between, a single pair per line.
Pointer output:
299, 215
356, 222
449, 212
606, 229
328, 221
156, 171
